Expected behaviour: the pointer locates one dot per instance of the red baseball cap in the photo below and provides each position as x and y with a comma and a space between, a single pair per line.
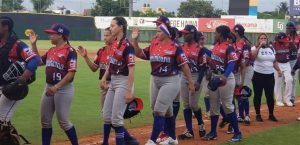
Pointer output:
58, 29
162, 20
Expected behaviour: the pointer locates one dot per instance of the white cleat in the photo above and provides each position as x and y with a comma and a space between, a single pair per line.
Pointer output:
280, 104
150, 142
169, 141
290, 104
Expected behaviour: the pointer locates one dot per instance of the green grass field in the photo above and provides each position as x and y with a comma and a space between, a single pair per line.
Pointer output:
283, 135
85, 109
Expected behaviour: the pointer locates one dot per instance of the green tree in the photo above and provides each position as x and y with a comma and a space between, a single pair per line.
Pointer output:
283, 7
11, 5
110, 8
196, 8
41, 5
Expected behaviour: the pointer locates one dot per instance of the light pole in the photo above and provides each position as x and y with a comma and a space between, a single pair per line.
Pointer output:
130, 7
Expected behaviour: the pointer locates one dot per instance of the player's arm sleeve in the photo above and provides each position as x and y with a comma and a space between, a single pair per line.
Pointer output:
201, 73
206, 51
146, 53
72, 60
32, 60
231, 58
181, 58
129, 54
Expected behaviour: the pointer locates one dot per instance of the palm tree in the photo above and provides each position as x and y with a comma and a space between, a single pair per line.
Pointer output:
283, 7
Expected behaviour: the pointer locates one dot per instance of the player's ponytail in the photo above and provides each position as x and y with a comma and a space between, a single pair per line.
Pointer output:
121, 21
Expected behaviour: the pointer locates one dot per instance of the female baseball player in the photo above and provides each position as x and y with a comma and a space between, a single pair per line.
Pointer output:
291, 32
121, 71
166, 58
61, 65
101, 60
12, 49
190, 103
221, 62
282, 48
244, 71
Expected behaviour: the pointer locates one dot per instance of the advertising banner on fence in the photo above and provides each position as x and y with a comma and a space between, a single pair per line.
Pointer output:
279, 25
146, 22
180, 23
210, 24
256, 25
295, 7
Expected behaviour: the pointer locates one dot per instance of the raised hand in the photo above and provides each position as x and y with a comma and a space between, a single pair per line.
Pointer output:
135, 33
82, 51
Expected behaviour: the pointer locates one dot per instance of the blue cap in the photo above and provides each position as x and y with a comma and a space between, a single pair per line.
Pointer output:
189, 29
200, 35
239, 28
162, 20
59, 29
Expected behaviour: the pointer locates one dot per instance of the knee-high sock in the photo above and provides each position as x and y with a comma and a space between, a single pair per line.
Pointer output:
157, 127
207, 105
234, 123
198, 115
241, 107
170, 124
246, 106
214, 122
127, 135
46, 136
187, 113
106, 132
119, 135
71, 133
176, 107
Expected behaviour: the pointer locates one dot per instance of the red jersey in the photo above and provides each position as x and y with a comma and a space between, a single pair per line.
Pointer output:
294, 49
243, 51
282, 52
25, 52
102, 60
165, 59
222, 54
195, 60
59, 61
121, 58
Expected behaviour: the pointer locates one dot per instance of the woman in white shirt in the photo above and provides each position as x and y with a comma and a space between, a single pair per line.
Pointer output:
263, 78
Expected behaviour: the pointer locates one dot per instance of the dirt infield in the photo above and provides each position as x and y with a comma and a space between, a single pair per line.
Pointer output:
285, 115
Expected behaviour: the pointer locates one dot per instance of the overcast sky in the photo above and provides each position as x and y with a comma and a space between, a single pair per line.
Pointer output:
170, 5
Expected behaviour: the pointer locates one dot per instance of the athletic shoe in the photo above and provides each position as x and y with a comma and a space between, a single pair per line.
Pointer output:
169, 141
150, 142
162, 137
230, 129
210, 136
186, 135
240, 119
258, 118
132, 141
236, 137
280, 104
272, 118
290, 104
223, 123
247, 120
298, 119
202, 131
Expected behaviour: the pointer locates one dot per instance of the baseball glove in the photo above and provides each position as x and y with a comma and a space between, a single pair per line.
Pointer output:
16, 90
215, 82
9, 135
245, 92
133, 108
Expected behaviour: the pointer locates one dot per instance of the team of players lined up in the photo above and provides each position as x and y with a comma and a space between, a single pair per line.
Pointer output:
222, 72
